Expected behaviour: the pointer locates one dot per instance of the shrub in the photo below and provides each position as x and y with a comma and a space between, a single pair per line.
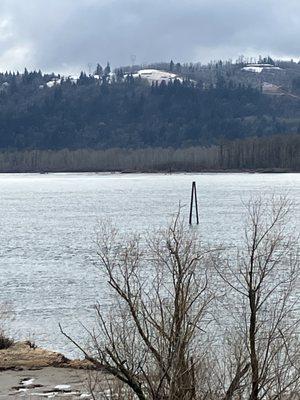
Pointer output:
5, 342
5, 315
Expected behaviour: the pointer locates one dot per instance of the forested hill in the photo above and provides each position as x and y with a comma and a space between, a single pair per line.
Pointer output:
131, 113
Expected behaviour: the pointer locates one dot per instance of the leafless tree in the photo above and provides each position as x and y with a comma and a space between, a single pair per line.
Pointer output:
264, 279
156, 337
276, 151
153, 338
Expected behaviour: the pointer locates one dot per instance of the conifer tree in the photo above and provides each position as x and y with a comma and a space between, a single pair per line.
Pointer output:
99, 70
171, 66
107, 69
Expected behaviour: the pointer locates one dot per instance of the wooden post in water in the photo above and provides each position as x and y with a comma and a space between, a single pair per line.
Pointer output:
194, 196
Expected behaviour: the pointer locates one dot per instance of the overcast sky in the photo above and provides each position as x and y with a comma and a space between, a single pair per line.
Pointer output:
67, 35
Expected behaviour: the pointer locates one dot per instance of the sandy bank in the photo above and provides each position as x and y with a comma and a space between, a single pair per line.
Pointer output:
23, 356
26, 372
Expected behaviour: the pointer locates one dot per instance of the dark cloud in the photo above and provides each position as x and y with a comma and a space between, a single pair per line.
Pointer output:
69, 34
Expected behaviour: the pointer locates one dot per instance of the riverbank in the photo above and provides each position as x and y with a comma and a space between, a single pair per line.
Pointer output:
23, 355
27, 371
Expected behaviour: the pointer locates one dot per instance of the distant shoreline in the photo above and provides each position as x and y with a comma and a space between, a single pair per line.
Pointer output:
273, 154
166, 172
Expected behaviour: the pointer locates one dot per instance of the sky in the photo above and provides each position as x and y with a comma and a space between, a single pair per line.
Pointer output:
67, 36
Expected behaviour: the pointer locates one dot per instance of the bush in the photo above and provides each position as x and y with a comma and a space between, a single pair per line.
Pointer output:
5, 315
5, 342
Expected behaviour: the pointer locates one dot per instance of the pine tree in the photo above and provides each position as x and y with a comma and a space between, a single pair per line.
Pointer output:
171, 66
178, 68
99, 70
107, 69
120, 75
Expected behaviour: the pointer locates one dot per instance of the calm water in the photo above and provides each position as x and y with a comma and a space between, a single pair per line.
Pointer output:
49, 223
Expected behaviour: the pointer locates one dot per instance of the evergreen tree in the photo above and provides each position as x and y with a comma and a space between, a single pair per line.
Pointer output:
178, 68
99, 70
171, 66
120, 75
107, 69
25, 76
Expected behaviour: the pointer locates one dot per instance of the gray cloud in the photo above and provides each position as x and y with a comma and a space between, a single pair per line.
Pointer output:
69, 34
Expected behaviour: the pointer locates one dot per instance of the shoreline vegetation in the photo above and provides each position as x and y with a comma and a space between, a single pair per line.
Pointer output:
276, 153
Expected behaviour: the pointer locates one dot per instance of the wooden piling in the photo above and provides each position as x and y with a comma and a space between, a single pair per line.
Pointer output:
194, 197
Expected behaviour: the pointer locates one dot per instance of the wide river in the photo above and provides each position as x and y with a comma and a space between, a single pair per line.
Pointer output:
49, 224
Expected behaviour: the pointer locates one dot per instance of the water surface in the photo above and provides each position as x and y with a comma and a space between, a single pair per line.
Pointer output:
49, 223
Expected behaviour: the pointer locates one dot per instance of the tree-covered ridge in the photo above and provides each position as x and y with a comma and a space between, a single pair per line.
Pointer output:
103, 112
286, 76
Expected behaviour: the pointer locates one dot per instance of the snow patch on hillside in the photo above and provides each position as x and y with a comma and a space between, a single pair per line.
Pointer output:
156, 75
259, 68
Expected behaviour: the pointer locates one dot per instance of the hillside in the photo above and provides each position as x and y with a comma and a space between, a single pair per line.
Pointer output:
125, 110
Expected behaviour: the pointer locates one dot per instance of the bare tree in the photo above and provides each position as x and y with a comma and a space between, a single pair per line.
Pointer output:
153, 338
264, 278
277, 151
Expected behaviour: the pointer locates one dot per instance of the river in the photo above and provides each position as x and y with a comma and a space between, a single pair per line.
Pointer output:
48, 231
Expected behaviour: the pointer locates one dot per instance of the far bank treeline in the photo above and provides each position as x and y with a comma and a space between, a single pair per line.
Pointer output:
278, 152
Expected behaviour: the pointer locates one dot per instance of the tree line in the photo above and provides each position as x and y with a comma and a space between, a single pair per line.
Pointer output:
272, 152
209, 73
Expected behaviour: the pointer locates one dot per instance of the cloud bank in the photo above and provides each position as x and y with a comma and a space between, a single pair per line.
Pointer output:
67, 35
